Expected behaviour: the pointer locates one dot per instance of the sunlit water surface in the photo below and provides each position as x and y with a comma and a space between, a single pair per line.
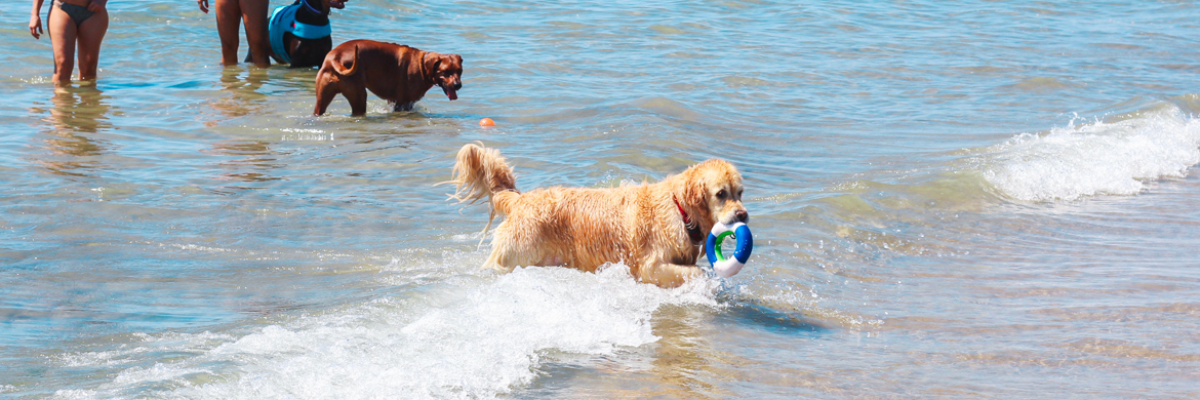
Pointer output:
950, 200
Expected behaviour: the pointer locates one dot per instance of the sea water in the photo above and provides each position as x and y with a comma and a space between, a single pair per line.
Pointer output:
969, 199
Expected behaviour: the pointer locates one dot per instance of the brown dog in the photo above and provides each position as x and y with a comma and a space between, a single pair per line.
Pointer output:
397, 73
656, 229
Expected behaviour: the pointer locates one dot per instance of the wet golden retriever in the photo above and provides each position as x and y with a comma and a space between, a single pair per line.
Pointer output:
657, 229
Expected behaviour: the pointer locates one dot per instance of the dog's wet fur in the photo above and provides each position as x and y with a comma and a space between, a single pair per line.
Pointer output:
583, 228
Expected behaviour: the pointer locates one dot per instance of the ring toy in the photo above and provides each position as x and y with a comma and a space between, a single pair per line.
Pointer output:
745, 244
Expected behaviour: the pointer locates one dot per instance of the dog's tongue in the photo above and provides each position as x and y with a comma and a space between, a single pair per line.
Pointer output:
450, 93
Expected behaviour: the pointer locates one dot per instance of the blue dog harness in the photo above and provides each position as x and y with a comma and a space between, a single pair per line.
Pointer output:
283, 20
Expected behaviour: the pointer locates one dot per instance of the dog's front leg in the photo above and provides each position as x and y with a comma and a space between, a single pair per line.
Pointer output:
667, 275
398, 107
356, 93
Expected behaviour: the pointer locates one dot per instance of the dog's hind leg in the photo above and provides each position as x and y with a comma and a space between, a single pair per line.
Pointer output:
493, 262
326, 92
511, 249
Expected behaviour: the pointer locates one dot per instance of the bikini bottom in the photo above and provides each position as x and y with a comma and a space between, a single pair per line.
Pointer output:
77, 13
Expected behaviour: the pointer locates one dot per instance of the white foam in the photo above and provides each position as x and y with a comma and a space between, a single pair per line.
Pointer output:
1098, 158
132, 353
74, 394
479, 339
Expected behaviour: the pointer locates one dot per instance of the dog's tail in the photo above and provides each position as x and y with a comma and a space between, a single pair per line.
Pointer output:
338, 67
481, 173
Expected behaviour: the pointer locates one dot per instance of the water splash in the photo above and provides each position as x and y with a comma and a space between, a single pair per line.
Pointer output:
470, 341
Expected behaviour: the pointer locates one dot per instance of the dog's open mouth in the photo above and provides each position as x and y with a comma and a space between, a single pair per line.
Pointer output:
450, 92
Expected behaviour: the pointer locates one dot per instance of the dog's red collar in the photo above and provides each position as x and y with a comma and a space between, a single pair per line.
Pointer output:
693, 229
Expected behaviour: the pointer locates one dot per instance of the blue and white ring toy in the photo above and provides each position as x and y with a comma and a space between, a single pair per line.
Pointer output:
745, 244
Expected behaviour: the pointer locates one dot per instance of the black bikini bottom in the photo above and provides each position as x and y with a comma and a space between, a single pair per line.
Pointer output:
77, 13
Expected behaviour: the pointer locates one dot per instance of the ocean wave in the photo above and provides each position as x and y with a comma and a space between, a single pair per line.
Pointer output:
1097, 158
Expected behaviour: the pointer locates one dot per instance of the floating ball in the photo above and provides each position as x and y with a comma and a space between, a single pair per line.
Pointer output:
745, 244
487, 122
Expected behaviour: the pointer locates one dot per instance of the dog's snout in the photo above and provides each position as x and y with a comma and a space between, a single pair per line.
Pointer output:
742, 215
457, 85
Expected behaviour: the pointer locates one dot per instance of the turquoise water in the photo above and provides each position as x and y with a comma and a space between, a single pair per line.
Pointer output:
950, 200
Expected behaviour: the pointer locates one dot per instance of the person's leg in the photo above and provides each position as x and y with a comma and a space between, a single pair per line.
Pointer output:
229, 14
254, 15
62, 38
90, 34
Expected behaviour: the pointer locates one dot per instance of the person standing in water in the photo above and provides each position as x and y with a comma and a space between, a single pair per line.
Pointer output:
72, 23
229, 14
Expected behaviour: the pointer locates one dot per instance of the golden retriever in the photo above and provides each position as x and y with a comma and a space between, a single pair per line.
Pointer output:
657, 229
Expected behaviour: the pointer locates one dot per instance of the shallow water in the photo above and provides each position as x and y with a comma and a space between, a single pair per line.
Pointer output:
950, 200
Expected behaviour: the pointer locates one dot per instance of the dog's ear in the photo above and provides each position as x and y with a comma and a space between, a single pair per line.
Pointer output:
695, 193
431, 63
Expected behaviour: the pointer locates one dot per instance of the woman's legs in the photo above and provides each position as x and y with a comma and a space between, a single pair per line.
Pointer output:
90, 34
254, 13
62, 38
229, 13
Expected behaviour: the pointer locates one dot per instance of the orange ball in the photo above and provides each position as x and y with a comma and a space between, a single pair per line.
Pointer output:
487, 122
